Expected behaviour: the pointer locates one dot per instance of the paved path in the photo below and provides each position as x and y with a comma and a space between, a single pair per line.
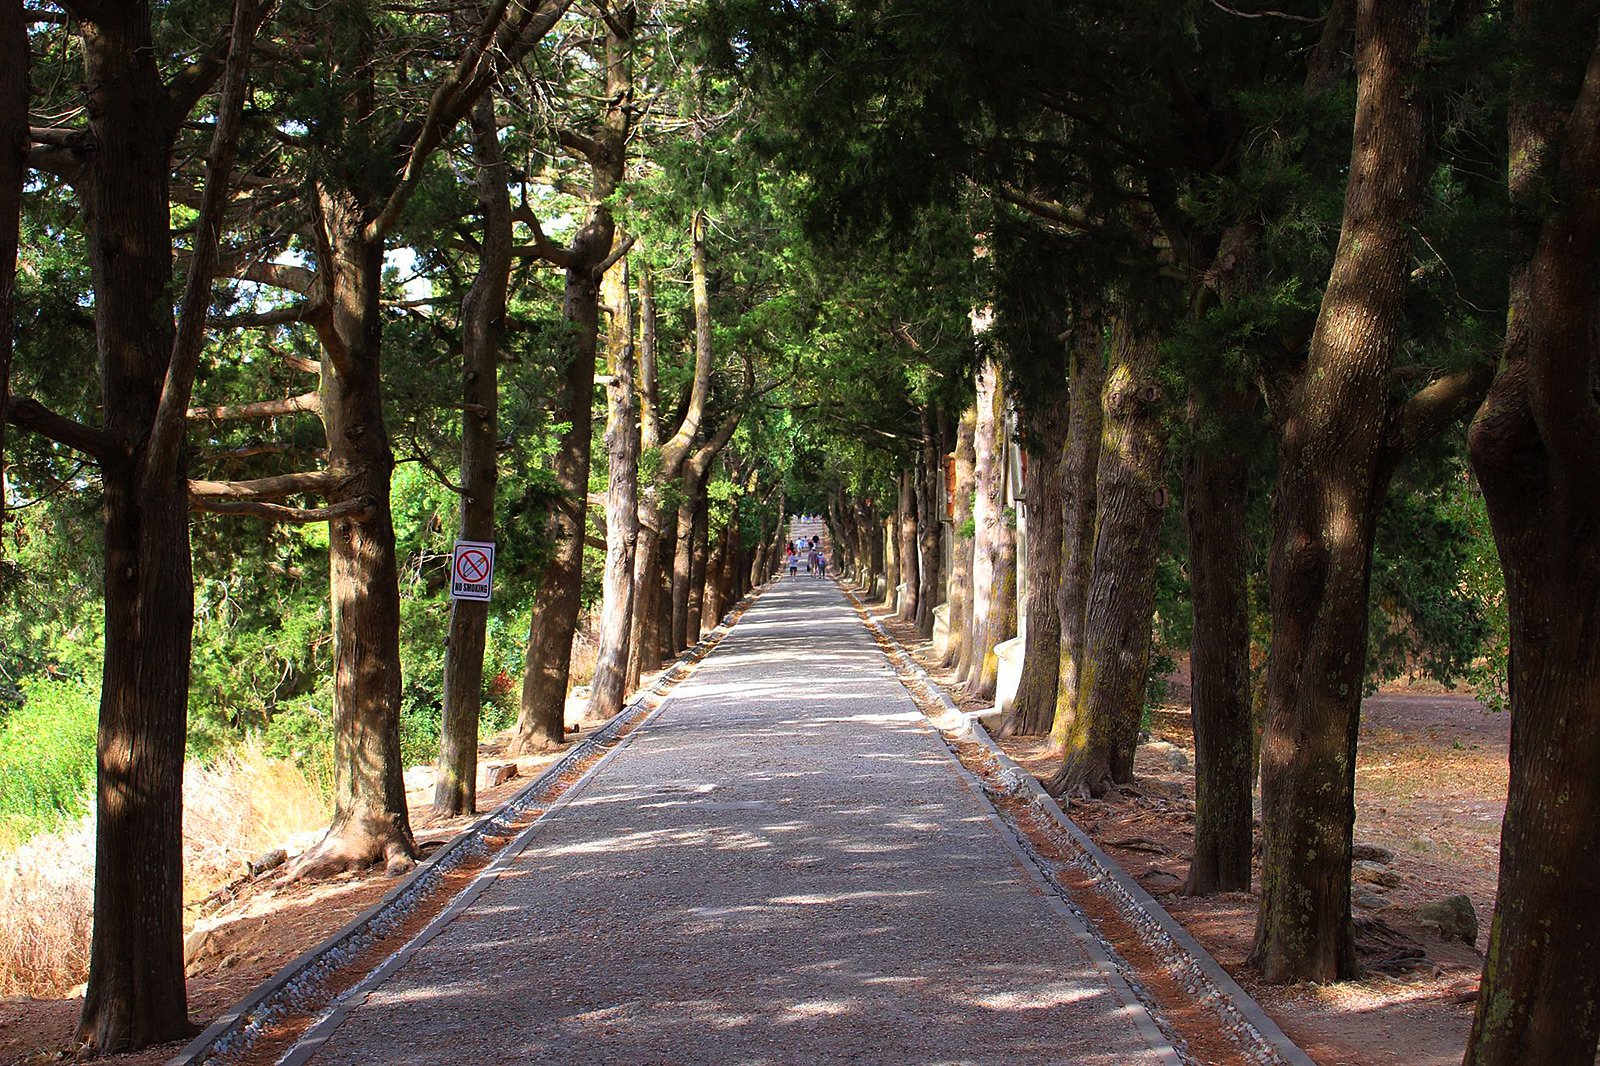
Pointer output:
784, 866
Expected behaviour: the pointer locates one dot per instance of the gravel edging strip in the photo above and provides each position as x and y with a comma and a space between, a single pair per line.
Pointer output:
1185, 958
300, 987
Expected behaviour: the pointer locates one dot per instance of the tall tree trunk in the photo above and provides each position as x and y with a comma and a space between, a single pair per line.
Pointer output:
1330, 483
483, 312
136, 990
1080, 465
1130, 489
136, 995
1535, 446
609, 688
961, 571
646, 607
988, 521
1216, 481
370, 821
676, 458
930, 513
861, 522
843, 534
14, 141
906, 549
660, 627
699, 566
716, 566
559, 600
683, 561
643, 640
1035, 707
1003, 620
889, 536
691, 532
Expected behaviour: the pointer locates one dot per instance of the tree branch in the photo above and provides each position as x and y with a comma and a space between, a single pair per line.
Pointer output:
296, 279
320, 482
167, 433
303, 311
1071, 217
31, 415
306, 402
616, 255
543, 247
277, 512
1440, 403
502, 37
577, 143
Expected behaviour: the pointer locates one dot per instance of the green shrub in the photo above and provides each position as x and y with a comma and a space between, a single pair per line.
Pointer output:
301, 730
47, 756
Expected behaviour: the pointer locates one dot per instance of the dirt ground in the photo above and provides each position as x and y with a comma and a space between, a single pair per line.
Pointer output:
1431, 778
251, 932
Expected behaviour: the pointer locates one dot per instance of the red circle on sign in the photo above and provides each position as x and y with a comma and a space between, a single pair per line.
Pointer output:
472, 565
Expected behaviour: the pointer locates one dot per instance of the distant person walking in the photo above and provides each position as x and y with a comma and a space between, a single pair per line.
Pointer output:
794, 561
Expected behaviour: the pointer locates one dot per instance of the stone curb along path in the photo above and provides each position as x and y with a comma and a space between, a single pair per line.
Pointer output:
1195, 969
305, 986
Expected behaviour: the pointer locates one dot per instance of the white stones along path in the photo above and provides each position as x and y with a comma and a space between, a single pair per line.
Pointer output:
784, 865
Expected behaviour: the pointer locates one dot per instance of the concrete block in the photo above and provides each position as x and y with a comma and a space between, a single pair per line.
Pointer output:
941, 630
1009, 653
494, 774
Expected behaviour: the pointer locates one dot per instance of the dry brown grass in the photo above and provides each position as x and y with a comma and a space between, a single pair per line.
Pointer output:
46, 887
233, 811
585, 652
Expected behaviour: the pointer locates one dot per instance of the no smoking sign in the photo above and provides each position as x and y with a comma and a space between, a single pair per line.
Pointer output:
472, 570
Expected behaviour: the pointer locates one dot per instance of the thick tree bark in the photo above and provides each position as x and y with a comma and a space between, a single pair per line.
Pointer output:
370, 821
1079, 467
687, 571
13, 168
1130, 490
622, 501
1331, 479
136, 989
660, 625
1535, 446
554, 622
988, 520
961, 570
930, 513
1216, 483
557, 603
699, 565
1003, 620
695, 469
715, 581
483, 312
643, 644
684, 544
889, 535
135, 995
1034, 710
906, 548
862, 522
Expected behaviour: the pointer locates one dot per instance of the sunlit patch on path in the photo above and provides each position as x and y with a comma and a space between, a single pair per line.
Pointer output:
785, 865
